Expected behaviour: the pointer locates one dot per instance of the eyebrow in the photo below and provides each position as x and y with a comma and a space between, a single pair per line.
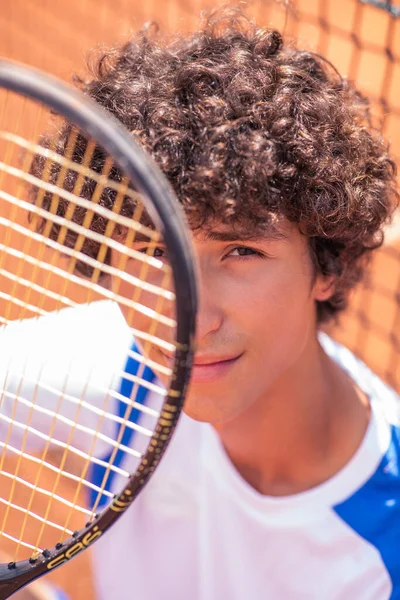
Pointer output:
142, 238
232, 235
272, 234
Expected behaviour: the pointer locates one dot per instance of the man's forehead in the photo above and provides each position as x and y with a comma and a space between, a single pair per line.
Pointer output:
273, 228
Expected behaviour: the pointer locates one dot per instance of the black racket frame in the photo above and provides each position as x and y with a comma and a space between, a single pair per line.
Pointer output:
163, 207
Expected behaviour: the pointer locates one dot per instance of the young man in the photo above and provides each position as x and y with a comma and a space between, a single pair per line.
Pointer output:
282, 480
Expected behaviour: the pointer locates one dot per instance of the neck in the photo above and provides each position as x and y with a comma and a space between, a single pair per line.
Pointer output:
307, 427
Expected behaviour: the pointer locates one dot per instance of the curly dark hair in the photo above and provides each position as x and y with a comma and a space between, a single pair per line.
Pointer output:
244, 126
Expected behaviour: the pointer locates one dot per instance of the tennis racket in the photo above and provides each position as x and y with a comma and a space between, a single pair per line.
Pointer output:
97, 317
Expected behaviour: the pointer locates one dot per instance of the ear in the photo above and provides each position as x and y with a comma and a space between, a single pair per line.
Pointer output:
324, 287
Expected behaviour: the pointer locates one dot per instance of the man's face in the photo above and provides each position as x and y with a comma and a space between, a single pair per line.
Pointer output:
256, 317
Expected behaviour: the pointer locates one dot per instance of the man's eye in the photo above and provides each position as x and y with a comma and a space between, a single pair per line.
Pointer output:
244, 251
157, 251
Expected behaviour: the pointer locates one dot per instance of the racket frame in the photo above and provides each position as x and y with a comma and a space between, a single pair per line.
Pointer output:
160, 202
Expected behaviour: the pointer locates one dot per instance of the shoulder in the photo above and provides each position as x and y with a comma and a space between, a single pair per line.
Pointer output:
372, 511
365, 378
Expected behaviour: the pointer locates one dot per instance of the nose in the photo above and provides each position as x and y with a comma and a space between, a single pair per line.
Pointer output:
210, 313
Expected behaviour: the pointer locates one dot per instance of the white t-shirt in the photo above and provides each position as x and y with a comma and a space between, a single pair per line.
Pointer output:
198, 531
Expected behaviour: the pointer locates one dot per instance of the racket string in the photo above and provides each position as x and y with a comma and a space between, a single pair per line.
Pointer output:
41, 281
78, 246
79, 281
139, 377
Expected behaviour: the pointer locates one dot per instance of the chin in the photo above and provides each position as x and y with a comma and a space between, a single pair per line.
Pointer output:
199, 409
200, 413
209, 410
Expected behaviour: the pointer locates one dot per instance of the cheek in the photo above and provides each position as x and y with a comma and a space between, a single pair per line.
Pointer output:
267, 311
276, 315
143, 289
149, 313
277, 297
143, 309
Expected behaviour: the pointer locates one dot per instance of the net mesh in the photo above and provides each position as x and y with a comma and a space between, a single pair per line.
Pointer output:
77, 248
360, 37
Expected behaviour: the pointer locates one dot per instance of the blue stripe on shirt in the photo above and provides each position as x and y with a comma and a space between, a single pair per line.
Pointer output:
374, 511
97, 472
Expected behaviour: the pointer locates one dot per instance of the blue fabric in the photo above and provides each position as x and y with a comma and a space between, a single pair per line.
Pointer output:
59, 594
97, 472
374, 511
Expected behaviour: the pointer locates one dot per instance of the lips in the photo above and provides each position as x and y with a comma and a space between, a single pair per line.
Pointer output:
201, 361
203, 372
207, 368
